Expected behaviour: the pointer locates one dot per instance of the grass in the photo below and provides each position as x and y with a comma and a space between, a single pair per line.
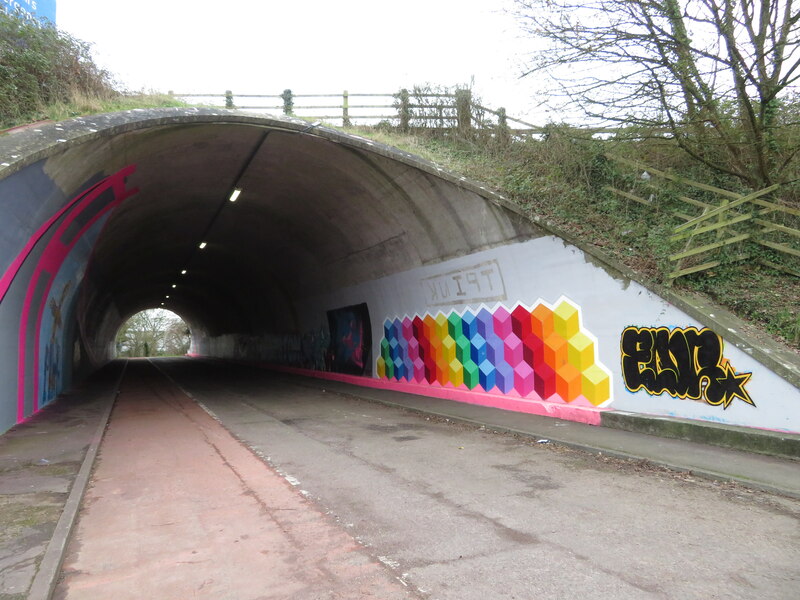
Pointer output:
561, 179
85, 105
46, 74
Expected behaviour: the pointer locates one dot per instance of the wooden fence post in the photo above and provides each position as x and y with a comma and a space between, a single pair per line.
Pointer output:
228, 99
345, 109
503, 133
405, 111
288, 102
464, 111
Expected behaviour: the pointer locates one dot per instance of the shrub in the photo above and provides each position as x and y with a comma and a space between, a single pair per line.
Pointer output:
40, 67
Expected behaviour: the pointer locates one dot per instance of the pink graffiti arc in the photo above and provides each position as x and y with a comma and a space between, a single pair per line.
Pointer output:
49, 264
8, 277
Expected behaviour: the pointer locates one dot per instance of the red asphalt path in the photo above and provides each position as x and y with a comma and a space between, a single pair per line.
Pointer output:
178, 508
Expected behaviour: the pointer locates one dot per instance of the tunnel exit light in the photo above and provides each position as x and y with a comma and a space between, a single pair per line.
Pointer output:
202, 245
235, 194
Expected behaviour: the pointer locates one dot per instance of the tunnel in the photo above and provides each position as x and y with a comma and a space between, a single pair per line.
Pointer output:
286, 243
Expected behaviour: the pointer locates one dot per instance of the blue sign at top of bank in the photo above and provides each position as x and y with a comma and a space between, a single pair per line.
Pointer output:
41, 10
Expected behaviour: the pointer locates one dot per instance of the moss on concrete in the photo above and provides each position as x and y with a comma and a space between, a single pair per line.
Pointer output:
773, 443
22, 512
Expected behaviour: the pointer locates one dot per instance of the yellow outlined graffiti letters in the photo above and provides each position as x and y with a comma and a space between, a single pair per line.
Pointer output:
684, 362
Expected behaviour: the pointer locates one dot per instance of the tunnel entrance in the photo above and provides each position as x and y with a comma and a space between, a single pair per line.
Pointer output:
275, 241
153, 332
286, 243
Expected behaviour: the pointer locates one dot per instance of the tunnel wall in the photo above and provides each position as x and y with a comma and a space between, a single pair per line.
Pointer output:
541, 320
48, 239
450, 288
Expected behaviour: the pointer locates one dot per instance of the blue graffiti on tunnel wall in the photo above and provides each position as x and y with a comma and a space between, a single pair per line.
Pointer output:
67, 238
59, 305
351, 339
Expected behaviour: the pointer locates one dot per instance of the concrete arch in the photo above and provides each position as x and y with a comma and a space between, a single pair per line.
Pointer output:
102, 214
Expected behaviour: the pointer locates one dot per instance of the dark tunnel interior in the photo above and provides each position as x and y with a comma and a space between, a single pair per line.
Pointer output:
139, 213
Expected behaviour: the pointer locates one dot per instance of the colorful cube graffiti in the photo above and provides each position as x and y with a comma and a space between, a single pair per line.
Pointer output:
542, 351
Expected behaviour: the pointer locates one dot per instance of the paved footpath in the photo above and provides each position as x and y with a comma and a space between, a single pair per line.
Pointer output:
177, 508
460, 512
308, 489
40, 462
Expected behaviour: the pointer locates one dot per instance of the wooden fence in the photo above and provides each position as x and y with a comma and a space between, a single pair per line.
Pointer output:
404, 109
723, 227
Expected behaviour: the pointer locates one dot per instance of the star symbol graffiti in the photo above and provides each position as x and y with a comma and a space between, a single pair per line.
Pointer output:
733, 384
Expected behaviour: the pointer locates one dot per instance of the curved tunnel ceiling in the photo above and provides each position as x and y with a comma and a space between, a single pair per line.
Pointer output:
319, 210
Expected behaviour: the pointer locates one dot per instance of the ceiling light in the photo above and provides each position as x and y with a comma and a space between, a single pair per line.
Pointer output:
183, 272
167, 297
174, 285
202, 245
235, 194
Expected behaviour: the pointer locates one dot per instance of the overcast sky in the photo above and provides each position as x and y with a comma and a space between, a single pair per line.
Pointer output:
309, 46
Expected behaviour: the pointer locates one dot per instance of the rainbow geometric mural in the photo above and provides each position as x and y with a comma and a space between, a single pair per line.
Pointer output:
542, 350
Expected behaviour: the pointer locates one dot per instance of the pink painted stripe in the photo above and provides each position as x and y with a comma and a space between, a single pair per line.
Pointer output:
49, 264
11, 272
579, 414
58, 259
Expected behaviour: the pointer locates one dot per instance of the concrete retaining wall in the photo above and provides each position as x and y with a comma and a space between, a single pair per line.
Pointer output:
676, 365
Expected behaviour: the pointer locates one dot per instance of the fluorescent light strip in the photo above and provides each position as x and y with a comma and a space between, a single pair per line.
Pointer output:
202, 245
235, 194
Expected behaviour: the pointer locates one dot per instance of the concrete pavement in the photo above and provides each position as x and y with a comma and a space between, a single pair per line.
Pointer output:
30, 513
40, 462
775, 474
461, 512
177, 508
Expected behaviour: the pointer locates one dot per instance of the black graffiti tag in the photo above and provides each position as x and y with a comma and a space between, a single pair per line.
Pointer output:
683, 362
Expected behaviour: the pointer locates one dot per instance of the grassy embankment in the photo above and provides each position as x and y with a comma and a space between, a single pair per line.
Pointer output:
46, 74
563, 178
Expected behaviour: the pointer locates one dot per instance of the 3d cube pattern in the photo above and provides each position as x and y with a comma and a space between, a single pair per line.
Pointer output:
541, 350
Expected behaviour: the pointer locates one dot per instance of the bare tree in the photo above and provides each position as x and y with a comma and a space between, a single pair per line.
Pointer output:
717, 74
177, 338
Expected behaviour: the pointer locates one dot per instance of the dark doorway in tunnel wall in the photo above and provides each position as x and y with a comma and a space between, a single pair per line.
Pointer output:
351, 339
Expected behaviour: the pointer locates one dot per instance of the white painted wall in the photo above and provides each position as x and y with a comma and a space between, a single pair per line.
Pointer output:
545, 269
